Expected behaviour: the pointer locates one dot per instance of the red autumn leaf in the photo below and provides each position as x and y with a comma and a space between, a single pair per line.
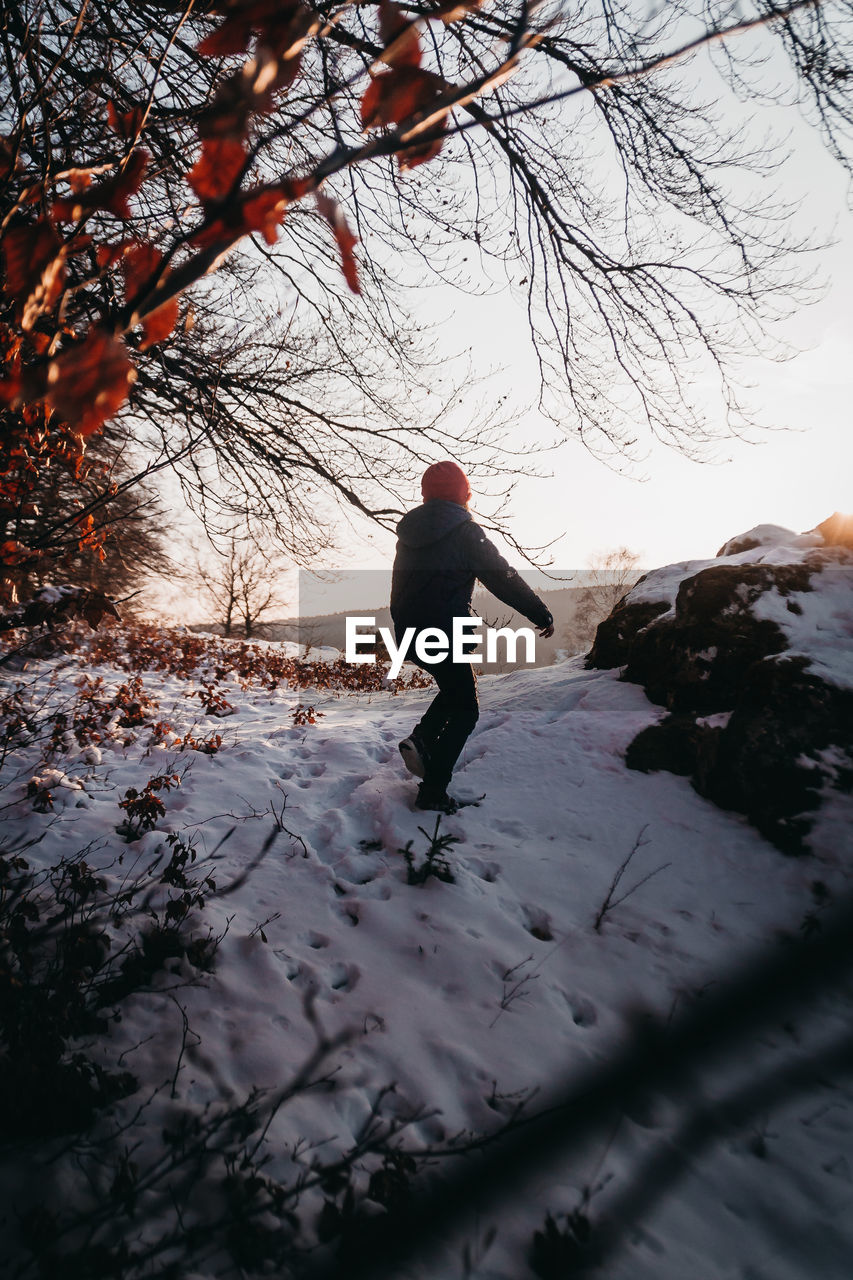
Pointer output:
78, 179
107, 255
399, 36
395, 95
258, 210
264, 212
334, 215
23, 389
140, 262
288, 69
13, 553
295, 188
79, 244
93, 606
217, 168
212, 233
11, 391
66, 210
158, 324
34, 257
282, 26
126, 124
88, 383
416, 155
232, 37
111, 195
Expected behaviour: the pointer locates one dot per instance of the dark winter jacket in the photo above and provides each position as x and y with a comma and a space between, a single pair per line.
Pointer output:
441, 552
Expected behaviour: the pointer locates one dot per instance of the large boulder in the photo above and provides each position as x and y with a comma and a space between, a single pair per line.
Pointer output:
785, 740
751, 655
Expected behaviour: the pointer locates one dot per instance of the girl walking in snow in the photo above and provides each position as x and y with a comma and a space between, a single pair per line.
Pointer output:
441, 552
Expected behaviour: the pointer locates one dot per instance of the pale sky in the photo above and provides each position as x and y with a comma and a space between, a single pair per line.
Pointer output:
669, 508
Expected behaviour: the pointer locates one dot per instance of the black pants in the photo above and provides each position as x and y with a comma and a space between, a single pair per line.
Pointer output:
448, 720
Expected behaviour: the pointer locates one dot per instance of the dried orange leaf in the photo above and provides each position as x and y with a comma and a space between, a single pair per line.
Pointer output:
393, 96
140, 262
415, 155
217, 169
13, 553
88, 383
78, 179
346, 241
112, 195
264, 212
399, 36
125, 123
159, 324
34, 258
232, 37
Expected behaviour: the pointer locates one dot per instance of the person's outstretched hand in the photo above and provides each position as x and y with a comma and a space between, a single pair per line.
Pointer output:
546, 632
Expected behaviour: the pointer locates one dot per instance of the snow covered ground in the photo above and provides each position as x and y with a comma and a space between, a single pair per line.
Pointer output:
470, 996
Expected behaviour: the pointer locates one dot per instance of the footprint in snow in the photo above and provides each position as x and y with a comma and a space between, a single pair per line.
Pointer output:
514, 830
375, 888
488, 871
330, 828
362, 867
583, 1011
343, 977
537, 922
350, 872
344, 788
316, 940
349, 912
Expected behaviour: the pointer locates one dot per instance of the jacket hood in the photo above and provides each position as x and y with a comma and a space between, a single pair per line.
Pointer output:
430, 522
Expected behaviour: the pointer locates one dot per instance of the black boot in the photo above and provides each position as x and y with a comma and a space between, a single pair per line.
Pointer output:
435, 799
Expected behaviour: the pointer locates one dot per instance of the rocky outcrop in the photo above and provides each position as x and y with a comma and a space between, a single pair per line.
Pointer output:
617, 633
761, 718
786, 739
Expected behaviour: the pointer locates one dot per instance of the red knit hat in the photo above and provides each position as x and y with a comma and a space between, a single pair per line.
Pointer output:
446, 480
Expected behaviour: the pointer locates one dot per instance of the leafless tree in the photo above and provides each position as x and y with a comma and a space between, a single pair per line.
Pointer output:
242, 583
610, 576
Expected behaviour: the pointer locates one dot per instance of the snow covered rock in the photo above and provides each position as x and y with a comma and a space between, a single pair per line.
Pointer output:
763, 634
770, 535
